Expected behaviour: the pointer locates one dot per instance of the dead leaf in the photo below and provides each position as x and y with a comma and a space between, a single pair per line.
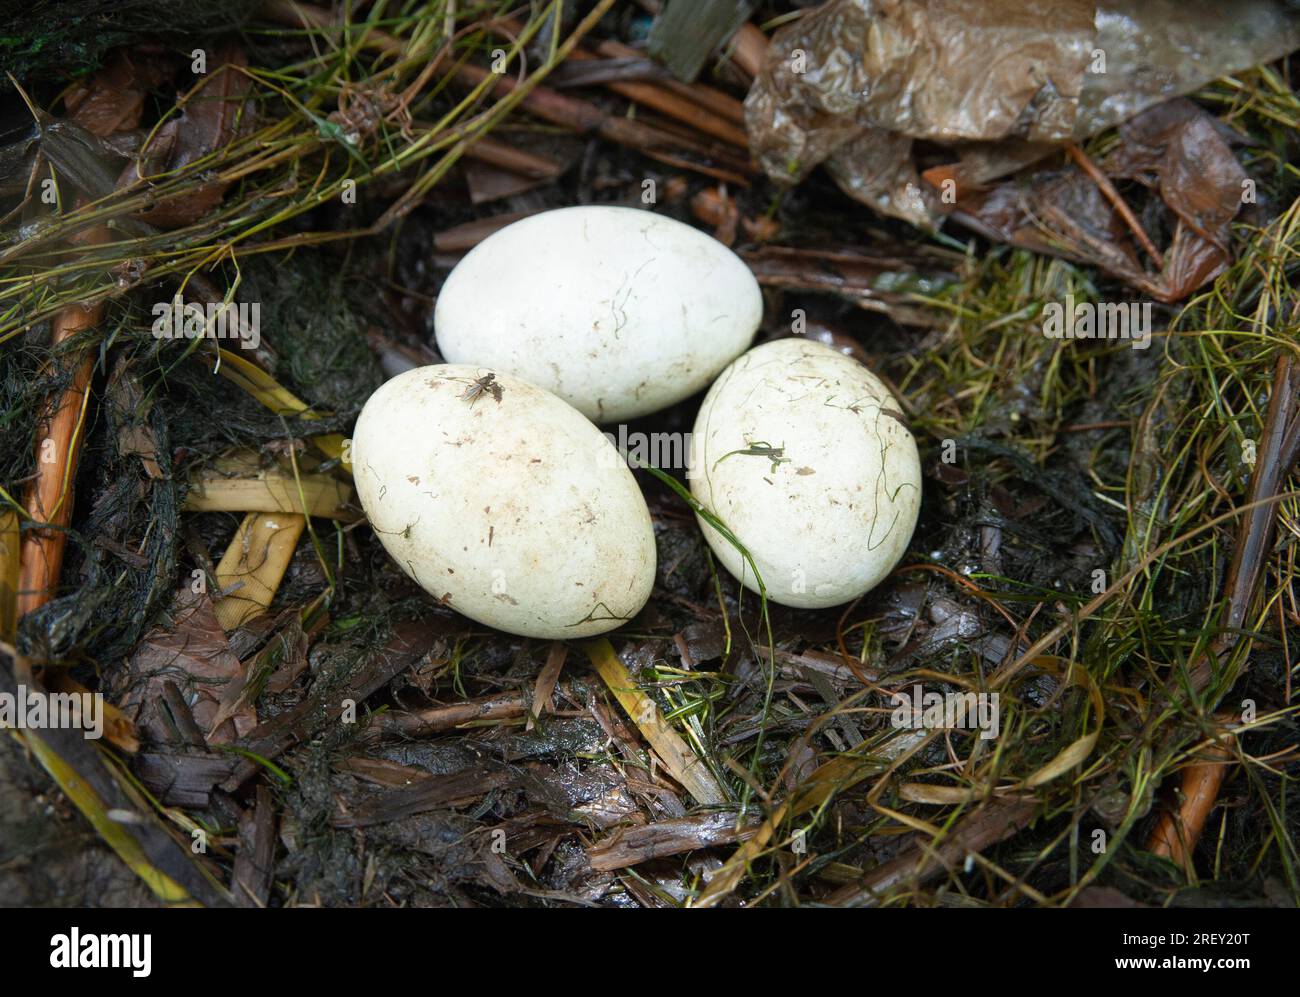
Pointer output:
112, 100
1177, 149
212, 118
194, 653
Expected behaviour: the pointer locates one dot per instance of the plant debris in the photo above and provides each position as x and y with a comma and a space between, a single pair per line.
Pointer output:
207, 273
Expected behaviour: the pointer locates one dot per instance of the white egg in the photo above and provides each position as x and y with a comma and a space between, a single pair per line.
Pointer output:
503, 502
802, 454
620, 312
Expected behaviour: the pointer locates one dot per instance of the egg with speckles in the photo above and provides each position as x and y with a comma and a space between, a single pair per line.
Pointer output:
503, 502
803, 456
621, 312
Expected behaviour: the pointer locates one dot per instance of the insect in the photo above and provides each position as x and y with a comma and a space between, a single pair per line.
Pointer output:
480, 385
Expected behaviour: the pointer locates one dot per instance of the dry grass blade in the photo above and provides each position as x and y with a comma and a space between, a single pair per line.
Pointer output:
678, 759
310, 494
254, 564
546, 680
113, 808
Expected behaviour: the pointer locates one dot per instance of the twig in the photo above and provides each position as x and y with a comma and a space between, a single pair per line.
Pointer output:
722, 104
532, 165
703, 108
748, 49
549, 105
586, 118
467, 235
921, 860
1117, 202
1177, 832
675, 106
58, 443
420, 723
10, 573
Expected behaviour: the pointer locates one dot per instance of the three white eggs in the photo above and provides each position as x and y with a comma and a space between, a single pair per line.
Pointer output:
488, 482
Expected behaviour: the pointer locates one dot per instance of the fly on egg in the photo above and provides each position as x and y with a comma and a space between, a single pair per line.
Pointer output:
503, 502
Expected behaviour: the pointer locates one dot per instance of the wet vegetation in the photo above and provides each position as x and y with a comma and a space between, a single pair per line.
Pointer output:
1107, 539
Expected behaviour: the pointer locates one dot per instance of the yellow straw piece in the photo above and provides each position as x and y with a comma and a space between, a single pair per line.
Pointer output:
680, 761
323, 495
254, 564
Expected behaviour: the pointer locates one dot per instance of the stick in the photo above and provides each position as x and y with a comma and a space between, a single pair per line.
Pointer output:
585, 118
1176, 834
58, 444
1118, 203
749, 47
532, 165
435, 719
722, 104
675, 106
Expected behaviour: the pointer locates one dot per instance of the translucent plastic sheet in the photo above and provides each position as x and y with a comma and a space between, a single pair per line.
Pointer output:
854, 83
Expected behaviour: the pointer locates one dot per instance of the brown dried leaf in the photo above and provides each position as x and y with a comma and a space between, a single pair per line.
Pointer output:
194, 653
112, 99
1176, 147
211, 119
